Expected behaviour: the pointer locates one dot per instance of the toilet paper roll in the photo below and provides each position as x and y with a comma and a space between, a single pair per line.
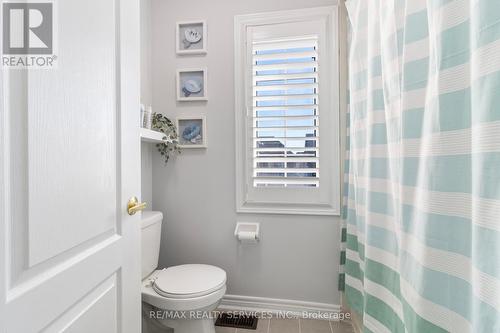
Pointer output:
247, 237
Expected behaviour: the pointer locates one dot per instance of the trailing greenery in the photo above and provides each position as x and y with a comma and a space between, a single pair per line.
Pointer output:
171, 139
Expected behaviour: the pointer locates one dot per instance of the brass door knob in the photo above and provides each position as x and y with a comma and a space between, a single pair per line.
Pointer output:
133, 206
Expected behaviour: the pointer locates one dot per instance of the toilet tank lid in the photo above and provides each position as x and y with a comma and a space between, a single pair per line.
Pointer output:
149, 217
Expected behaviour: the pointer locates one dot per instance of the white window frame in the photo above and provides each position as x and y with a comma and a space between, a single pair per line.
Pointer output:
324, 200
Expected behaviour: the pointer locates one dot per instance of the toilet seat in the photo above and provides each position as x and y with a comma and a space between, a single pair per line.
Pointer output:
189, 281
152, 297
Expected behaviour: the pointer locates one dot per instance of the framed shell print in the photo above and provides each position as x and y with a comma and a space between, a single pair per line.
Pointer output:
192, 84
192, 132
191, 37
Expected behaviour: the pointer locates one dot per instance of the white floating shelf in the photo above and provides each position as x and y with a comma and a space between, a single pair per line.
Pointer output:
148, 135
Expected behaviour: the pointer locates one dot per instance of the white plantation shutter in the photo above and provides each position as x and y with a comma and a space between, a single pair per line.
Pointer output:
287, 112
286, 117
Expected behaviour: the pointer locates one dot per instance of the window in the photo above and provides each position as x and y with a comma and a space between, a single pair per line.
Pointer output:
287, 112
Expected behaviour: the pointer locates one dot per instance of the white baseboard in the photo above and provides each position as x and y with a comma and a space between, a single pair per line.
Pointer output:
280, 307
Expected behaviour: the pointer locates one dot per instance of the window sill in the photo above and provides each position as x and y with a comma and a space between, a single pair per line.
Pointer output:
319, 210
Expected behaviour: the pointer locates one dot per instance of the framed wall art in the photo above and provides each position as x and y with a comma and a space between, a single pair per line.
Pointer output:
192, 132
191, 37
192, 84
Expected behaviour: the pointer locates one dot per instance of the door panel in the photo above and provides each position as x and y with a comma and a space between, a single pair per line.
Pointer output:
97, 310
75, 104
70, 160
47, 296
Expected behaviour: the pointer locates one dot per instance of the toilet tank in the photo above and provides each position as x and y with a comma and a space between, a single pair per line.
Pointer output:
150, 241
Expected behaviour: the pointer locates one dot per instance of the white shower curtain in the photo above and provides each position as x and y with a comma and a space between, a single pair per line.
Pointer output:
422, 179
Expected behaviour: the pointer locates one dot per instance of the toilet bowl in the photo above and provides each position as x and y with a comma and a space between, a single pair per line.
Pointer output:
178, 297
184, 296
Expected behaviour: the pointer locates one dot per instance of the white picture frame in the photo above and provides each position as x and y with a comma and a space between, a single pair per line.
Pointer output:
199, 140
194, 76
183, 47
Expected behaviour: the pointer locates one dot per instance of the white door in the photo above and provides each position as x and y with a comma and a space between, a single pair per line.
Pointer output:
69, 162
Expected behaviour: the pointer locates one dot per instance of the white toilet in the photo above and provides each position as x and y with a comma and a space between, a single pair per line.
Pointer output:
181, 296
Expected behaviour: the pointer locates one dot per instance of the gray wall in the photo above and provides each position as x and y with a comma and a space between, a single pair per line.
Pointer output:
298, 255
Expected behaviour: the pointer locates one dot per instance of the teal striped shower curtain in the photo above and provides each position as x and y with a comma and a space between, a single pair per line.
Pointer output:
422, 174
